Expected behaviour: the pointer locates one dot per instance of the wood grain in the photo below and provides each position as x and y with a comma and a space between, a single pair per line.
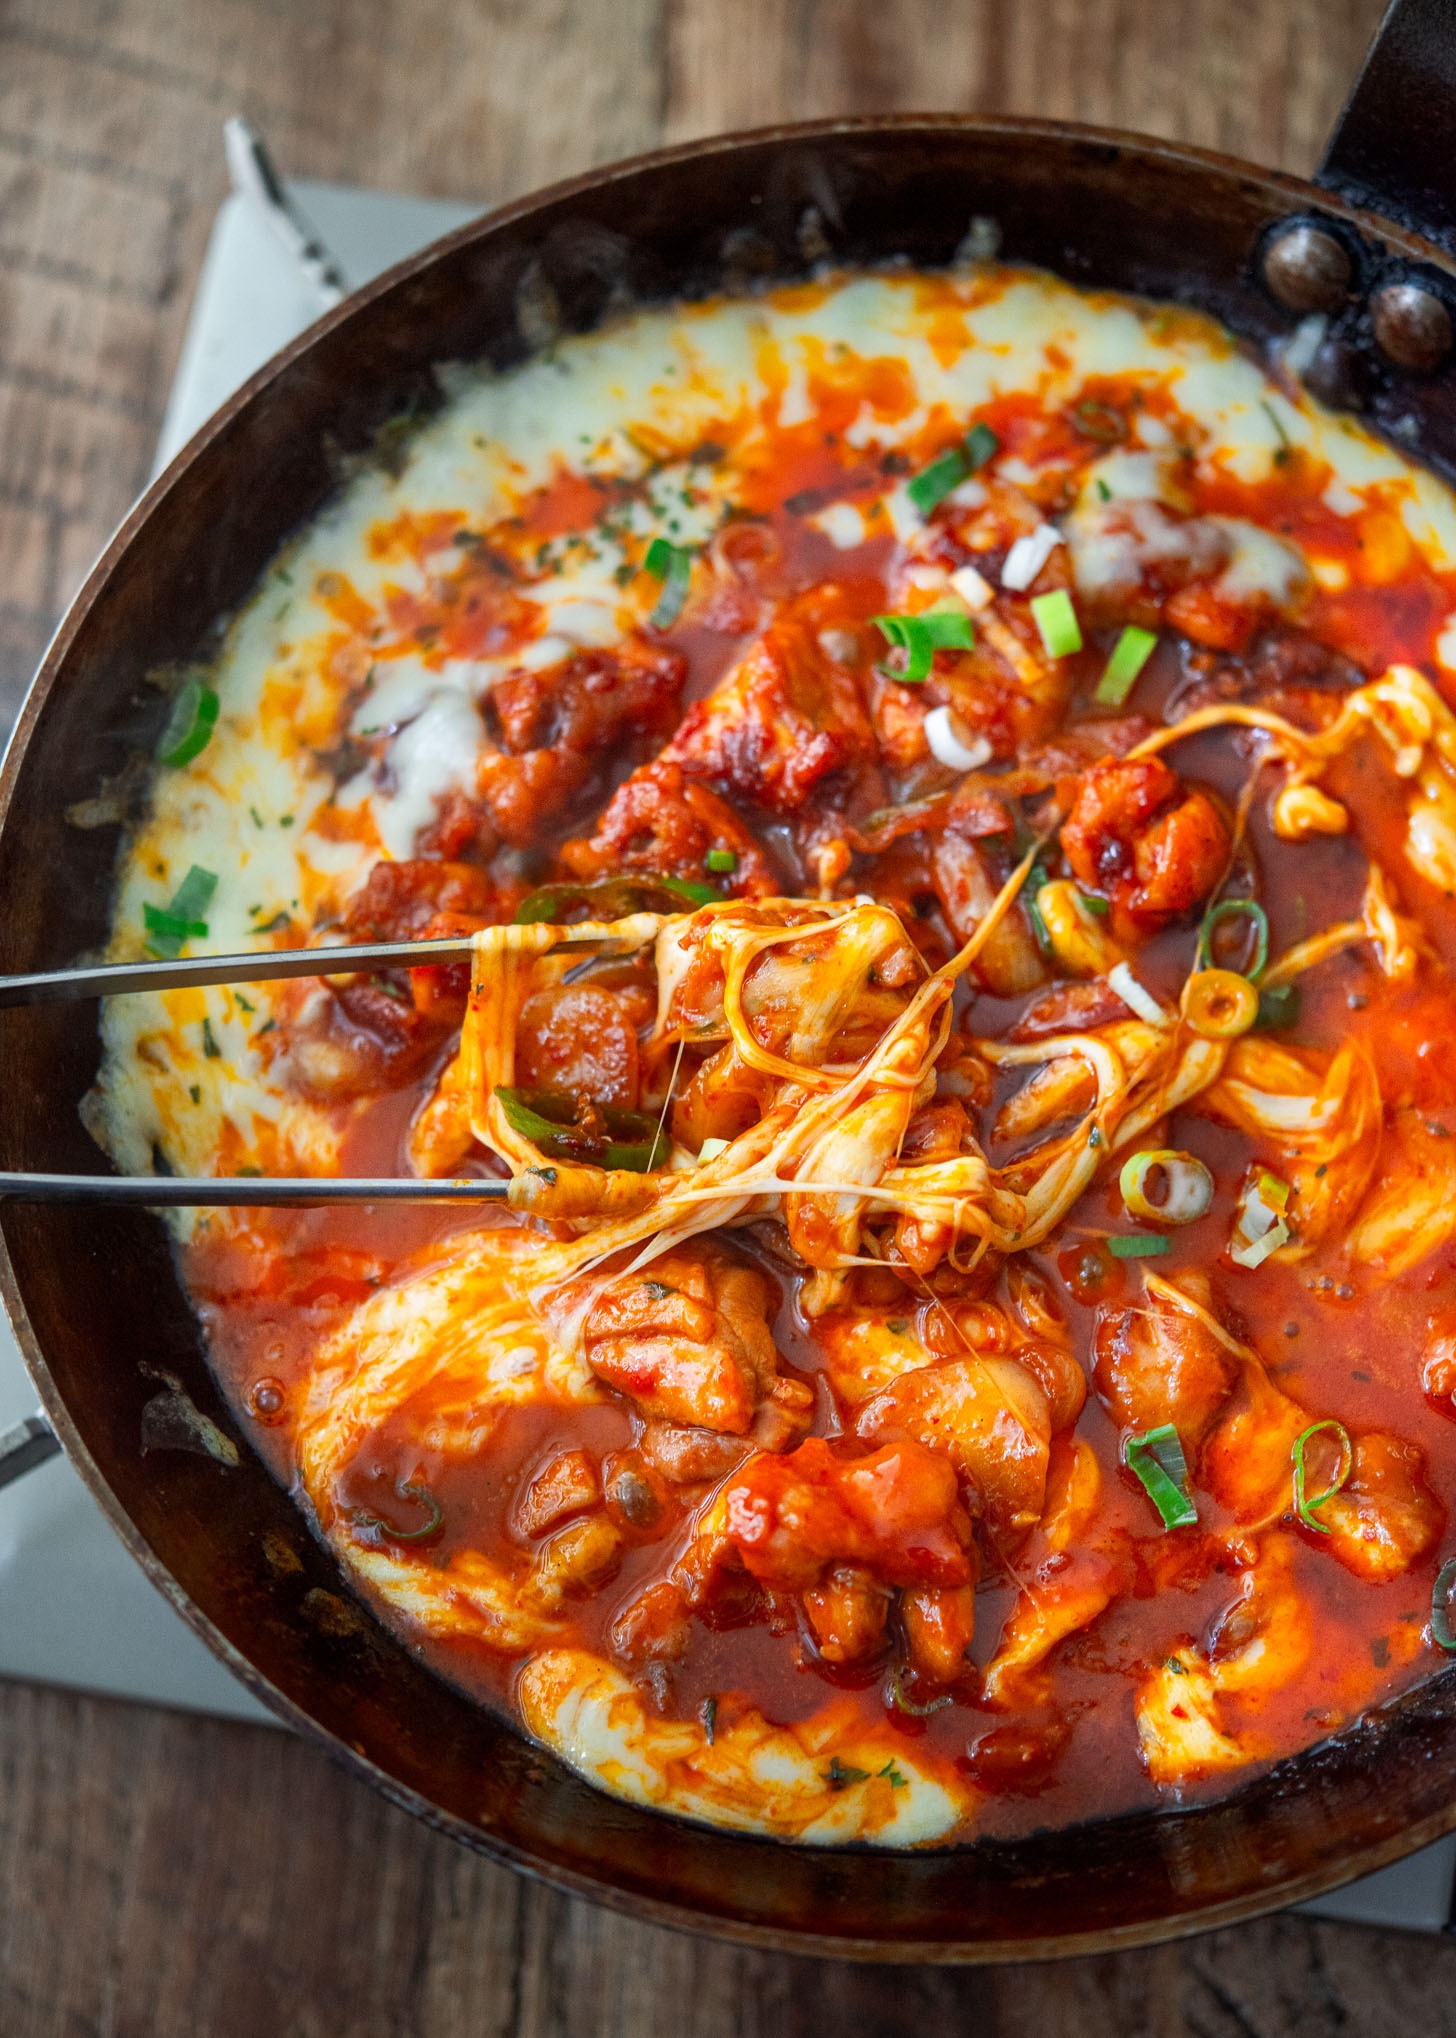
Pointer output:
166, 1875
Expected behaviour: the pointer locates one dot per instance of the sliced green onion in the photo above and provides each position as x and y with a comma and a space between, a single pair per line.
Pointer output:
1279, 1007
1030, 896
1130, 654
1056, 619
920, 637
1156, 1460
181, 919
1441, 1633
1136, 1245
614, 898
1304, 1505
1215, 917
553, 1122
1274, 1192
839, 1775
982, 445
722, 859
935, 482
190, 724
1189, 1186
673, 566
1260, 1228
1095, 905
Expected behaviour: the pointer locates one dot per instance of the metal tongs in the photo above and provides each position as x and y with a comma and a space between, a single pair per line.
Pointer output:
109, 980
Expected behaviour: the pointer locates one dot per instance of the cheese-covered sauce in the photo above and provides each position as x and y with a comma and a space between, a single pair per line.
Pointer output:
973, 1344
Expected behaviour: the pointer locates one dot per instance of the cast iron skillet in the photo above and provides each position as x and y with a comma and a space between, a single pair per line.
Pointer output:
94, 1298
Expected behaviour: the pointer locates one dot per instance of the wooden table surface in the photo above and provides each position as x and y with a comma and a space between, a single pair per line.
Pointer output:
168, 1875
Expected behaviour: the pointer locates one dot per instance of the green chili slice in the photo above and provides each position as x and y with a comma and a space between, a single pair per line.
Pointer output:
1157, 1462
190, 724
722, 859
570, 1128
614, 898
1216, 917
1304, 1505
1441, 1633
673, 566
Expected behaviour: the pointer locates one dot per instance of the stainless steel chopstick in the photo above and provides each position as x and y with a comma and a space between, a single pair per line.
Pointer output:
195, 1191
188, 972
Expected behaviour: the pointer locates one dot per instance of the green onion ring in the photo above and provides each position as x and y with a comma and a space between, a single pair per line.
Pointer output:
1234, 909
1304, 1506
1190, 1186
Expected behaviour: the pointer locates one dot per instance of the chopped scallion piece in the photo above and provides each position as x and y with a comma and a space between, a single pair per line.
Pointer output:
1222, 914
935, 482
1130, 654
1095, 905
1274, 1192
1304, 1504
722, 859
190, 724
982, 445
181, 920
1156, 1460
1441, 1633
1279, 1007
1186, 1185
1136, 1245
920, 637
673, 566
1056, 619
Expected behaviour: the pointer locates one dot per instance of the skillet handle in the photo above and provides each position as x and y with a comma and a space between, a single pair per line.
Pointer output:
1393, 149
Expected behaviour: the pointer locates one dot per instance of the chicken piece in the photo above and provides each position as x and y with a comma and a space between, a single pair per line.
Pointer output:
1385, 1517
1010, 963
1247, 1459
574, 1560
1158, 1363
558, 728
896, 1513
784, 718
1179, 1729
847, 1611
376, 1032
1151, 847
721, 1099
1410, 1211
661, 822
653, 1627
685, 1456
940, 1626
1064, 1088
991, 1420
1067, 1583
687, 1339
567, 1484
1264, 1638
